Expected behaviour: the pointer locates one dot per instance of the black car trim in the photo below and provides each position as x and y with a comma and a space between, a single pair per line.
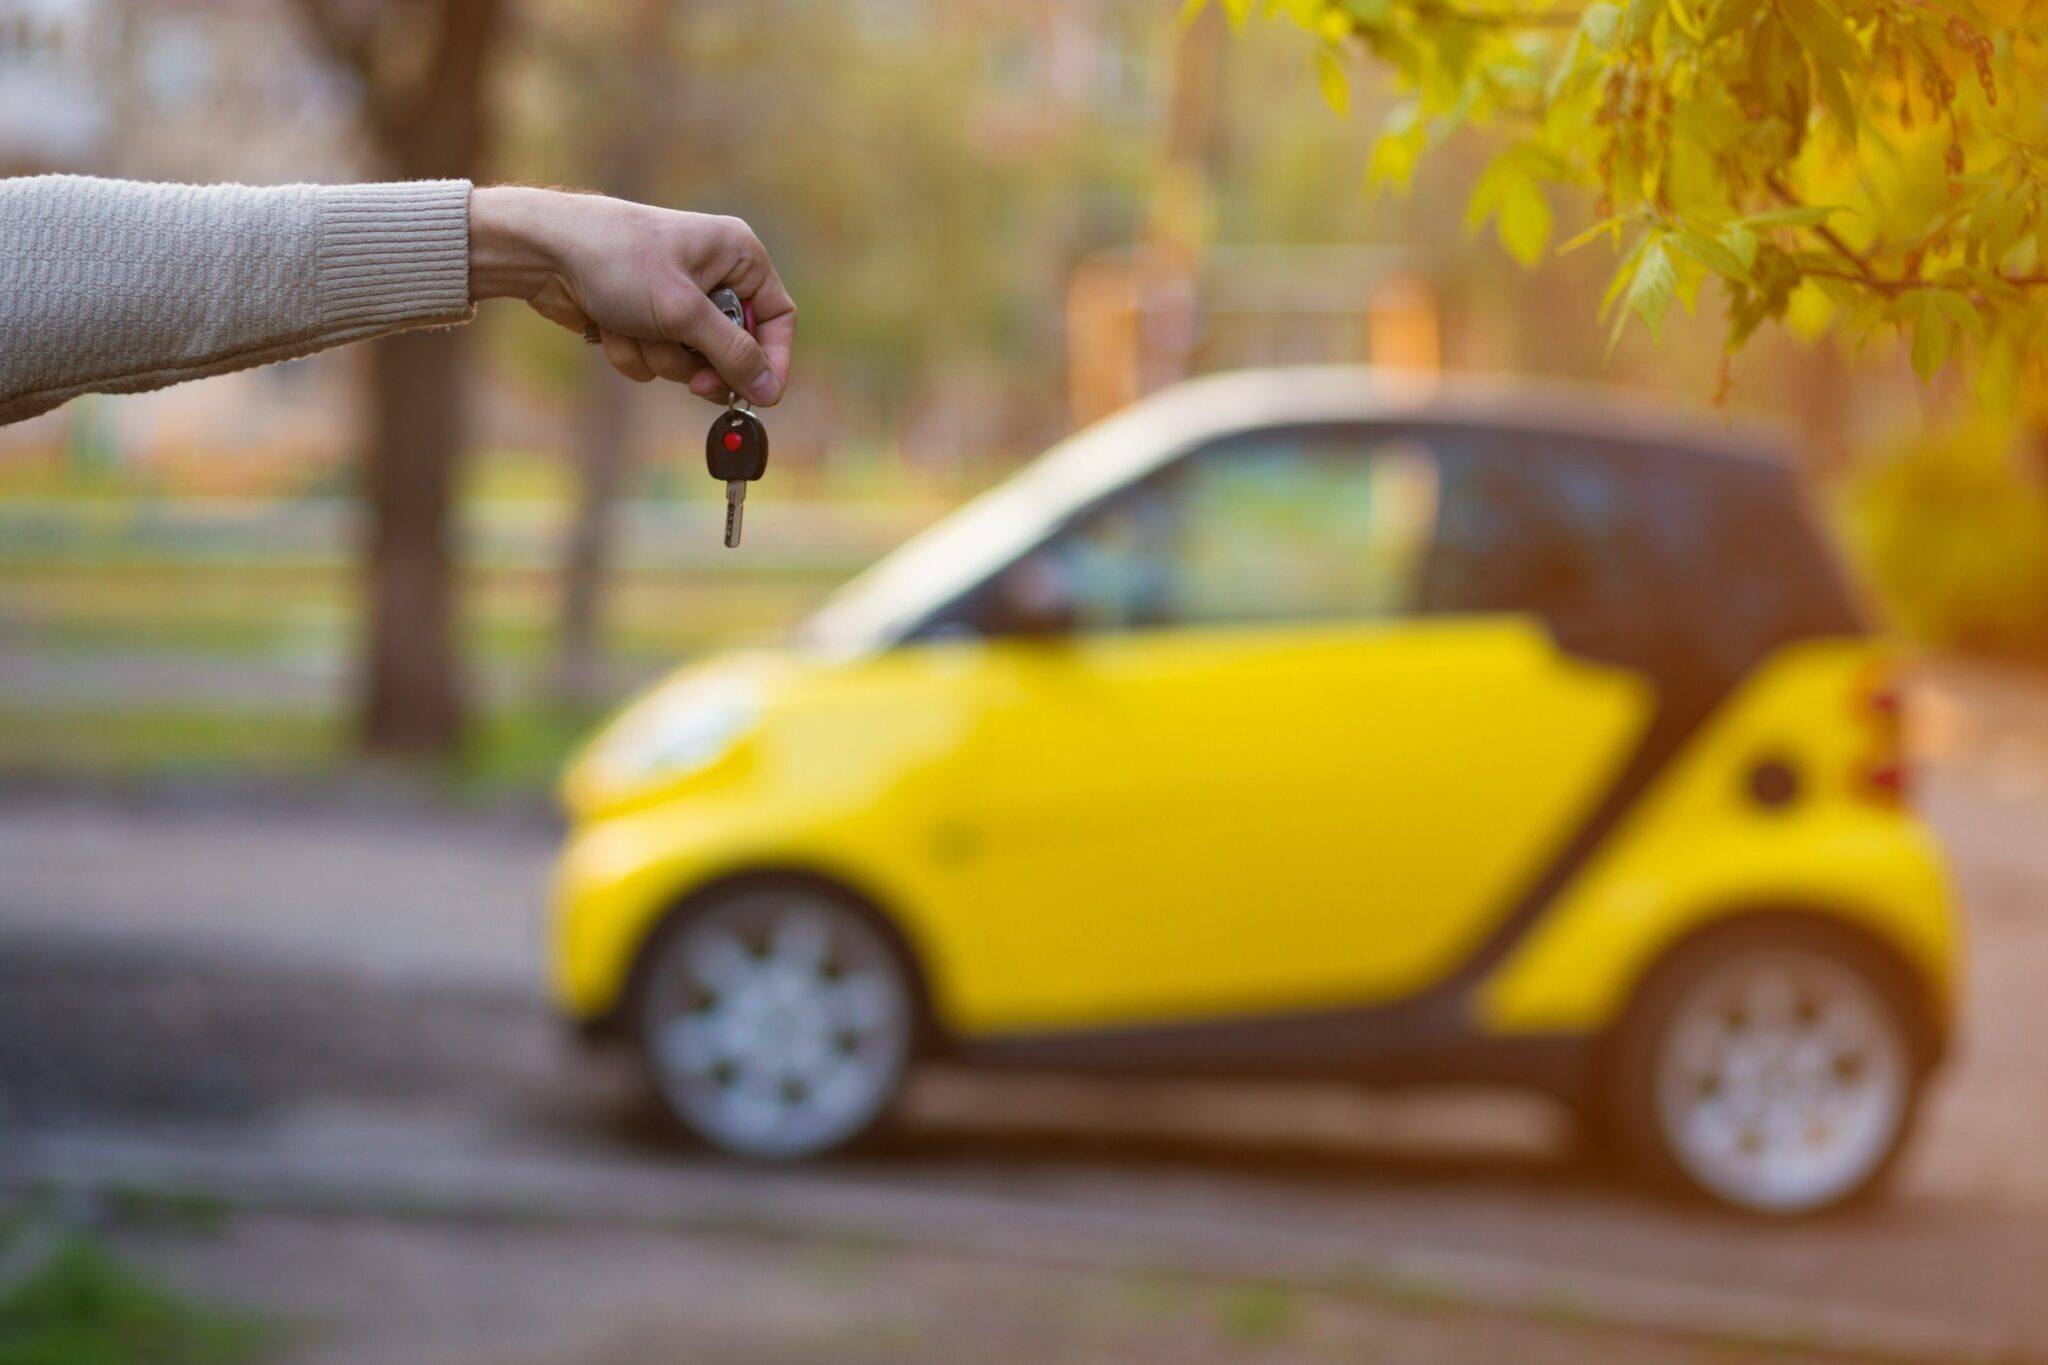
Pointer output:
1411, 1044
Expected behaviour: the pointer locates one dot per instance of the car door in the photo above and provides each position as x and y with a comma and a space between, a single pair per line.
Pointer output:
1268, 760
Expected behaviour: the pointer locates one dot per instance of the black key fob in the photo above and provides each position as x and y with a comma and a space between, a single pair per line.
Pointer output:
736, 447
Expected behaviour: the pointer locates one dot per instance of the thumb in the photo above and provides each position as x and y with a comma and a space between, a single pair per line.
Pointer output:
696, 322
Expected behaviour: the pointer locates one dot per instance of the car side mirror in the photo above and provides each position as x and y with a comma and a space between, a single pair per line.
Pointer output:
1030, 599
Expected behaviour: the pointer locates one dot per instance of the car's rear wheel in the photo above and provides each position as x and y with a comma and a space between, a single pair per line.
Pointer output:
776, 1021
1773, 1071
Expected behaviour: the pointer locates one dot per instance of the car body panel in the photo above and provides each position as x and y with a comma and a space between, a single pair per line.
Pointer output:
1699, 848
837, 780
938, 781
1189, 824
865, 774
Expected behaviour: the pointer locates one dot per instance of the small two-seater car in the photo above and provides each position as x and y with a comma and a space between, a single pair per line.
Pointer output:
1296, 724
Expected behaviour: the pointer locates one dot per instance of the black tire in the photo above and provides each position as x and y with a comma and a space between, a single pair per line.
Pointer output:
1654, 1071
755, 1056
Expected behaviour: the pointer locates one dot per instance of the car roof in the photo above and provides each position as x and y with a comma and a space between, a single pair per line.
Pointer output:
989, 531
1218, 404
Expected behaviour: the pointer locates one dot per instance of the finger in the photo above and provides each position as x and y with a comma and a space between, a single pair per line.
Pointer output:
672, 362
709, 386
690, 317
624, 354
648, 349
774, 324
752, 273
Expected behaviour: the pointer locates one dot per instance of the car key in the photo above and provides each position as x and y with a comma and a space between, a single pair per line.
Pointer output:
736, 448
737, 311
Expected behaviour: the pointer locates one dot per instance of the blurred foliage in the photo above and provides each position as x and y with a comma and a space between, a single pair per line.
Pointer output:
1953, 533
917, 182
1860, 166
927, 173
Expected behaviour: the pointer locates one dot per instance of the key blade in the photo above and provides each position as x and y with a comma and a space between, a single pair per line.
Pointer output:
735, 511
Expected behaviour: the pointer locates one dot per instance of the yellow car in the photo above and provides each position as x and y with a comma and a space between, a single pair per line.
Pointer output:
1294, 723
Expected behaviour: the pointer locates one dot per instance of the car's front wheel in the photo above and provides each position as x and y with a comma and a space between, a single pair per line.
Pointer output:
1774, 1071
775, 1021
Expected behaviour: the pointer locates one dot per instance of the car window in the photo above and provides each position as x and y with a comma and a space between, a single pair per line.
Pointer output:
1535, 526
1754, 558
1291, 524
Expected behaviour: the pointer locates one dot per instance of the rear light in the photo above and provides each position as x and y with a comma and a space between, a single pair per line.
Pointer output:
1890, 783
1882, 775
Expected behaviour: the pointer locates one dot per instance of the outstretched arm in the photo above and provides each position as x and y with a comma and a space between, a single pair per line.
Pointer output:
111, 286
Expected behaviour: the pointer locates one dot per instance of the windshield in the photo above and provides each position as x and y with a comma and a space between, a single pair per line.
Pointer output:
875, 609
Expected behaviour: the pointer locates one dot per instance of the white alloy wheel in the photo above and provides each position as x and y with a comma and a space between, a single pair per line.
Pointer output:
1783, 1079
776, 1022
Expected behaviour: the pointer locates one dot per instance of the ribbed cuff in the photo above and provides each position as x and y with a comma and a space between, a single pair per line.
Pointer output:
394, 253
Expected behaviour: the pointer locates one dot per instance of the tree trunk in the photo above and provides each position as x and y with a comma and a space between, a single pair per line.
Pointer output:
627, 148
605, 432
412, 691
433, 126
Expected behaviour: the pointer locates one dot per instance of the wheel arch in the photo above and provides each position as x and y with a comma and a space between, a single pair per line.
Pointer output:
1922, 998
931, 1035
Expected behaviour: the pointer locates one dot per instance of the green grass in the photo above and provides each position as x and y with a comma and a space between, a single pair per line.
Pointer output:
1402, 1288
142, 620
198, 1212
841, 1262
86, 618
144, 623
1151, 1294
1564, 1309
1257, 1315
124, 742
287, 610
519, 751
83, 1308
515, 751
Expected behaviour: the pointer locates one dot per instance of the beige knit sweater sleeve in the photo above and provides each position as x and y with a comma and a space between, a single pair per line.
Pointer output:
113, 286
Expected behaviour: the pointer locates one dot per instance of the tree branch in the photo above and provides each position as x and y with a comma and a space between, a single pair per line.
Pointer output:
1891, 288
1822, 230
1860, 270
1544, 18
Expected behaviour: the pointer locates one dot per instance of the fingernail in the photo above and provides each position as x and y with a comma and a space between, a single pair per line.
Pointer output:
765, 388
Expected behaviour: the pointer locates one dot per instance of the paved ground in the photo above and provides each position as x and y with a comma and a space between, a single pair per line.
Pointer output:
321, 1009
454, 1293
379, 886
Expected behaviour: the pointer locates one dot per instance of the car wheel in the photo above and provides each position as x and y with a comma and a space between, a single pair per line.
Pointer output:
776, 1021
1774, 1072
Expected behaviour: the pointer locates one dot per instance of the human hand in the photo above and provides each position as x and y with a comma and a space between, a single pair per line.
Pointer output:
642, 275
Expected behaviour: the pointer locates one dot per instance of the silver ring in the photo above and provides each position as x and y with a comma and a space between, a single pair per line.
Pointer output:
591, 334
